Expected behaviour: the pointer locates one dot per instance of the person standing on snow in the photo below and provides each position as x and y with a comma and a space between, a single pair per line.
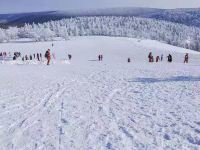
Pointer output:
150, 56
48, 56
38, 57
69, 56
26, 57
157, 58
99, 57
161, 58
186, 58
169, 58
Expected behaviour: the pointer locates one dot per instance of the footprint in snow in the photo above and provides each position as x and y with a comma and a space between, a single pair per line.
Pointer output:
64, 121
198, 123
109, 145
193, 140
167, 137
197, 131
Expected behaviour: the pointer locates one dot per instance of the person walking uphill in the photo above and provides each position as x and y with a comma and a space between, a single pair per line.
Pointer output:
48, 56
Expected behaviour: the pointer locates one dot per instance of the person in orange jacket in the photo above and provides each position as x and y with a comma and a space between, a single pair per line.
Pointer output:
48, 56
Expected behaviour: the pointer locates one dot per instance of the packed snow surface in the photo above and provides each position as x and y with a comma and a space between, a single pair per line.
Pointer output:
84, 104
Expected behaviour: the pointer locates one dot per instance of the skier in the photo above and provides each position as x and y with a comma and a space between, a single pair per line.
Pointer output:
31, 57
169, 57
186, 58
129, 60
157, 58
48, 56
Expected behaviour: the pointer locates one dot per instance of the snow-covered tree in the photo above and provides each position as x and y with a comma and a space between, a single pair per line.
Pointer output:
3, 37
171, 33
12, 33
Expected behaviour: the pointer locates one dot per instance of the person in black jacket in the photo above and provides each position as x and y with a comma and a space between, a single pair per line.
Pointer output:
38, 57
169, 57
186, 58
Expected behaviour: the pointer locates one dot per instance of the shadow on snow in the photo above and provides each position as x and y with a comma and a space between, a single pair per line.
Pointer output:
170, 79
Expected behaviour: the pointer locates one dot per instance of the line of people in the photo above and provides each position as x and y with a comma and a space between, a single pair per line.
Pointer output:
158, 58
169, 58
37, 56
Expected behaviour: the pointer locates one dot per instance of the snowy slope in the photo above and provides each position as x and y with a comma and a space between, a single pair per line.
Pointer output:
87, 104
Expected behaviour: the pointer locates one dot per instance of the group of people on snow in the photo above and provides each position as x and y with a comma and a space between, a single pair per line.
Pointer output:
3, 54
100, 57
169, 58
35, 56
158, 58
38, 57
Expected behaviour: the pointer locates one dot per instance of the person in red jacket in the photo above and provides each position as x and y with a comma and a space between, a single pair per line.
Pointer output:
150, 56
157, 58
48, 56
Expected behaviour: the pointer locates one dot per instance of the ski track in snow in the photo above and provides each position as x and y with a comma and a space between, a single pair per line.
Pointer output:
100, 105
